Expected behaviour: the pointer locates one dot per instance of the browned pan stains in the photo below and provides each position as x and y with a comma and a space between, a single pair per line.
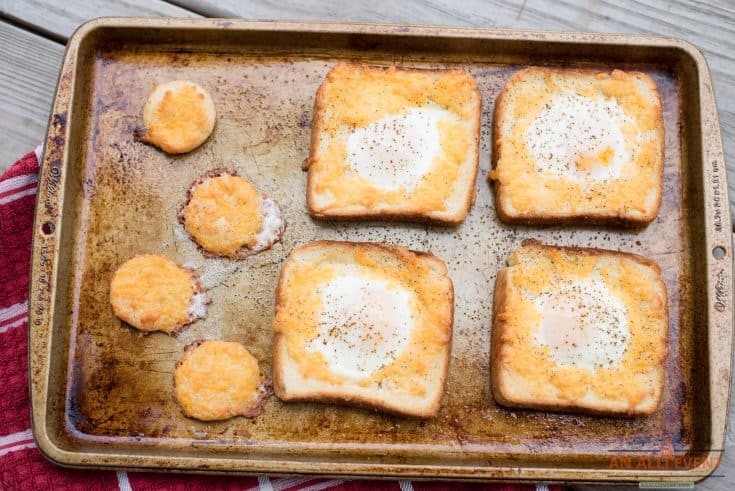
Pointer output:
120, 387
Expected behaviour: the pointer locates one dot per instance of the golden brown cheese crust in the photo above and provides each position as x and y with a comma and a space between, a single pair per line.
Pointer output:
417, 376
178, 117
522, 375
353, 96
152, 293
523, 198
224, 213
217, 380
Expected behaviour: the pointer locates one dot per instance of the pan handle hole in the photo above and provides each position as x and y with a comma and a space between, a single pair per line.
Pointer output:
48, 228
719, 252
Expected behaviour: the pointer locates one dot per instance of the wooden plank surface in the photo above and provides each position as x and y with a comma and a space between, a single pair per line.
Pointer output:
709, 25
59, 19
29, 68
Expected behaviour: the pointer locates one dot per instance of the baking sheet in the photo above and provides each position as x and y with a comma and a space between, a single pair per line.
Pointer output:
108, 389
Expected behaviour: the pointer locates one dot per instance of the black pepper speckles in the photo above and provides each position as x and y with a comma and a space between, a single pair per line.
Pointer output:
590, 324
361, 327
395, 151
570, 126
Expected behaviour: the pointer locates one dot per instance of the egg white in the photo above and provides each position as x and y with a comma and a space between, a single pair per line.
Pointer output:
396, 151
198, 306
571, 126
364, 325
272, 223
583, 325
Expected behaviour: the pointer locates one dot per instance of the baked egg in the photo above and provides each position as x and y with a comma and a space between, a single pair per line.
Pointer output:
578, 143
363, 323
393, 140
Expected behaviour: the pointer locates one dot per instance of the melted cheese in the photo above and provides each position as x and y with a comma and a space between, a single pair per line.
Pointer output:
178, 116
153, 293
217, 380
224, 213
357, 95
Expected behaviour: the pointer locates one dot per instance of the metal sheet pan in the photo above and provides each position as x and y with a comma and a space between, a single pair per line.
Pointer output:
102, 393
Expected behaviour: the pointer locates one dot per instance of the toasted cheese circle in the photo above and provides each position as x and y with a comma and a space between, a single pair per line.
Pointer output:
583, 324
216, 380
364, 324
178, 117
227, 216
152, 293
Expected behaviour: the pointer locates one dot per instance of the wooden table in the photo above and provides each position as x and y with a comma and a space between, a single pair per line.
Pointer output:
33, 33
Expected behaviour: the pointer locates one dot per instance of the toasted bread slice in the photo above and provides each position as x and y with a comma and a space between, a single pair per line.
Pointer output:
578, 146
578, 329
395, 144
363, 324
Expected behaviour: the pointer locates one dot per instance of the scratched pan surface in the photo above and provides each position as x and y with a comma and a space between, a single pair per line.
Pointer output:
102, 392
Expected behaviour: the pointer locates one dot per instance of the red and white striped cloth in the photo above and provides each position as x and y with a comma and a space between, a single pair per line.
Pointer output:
21, 465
